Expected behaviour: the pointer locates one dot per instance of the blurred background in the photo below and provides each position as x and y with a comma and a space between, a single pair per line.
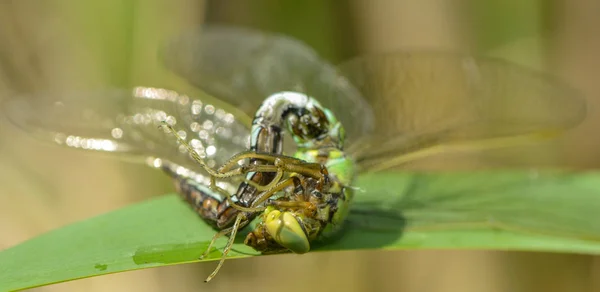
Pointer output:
62, 44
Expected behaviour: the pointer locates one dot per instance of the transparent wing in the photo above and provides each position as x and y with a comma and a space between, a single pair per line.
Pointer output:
127, 122
425, 103
243, 67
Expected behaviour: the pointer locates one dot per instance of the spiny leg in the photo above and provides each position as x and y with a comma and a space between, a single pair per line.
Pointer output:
252, 168
197, 157
220, 173
234, 229
273, 182
228, 170
293, 204
260, 188
289, 164
280, 169
291, 181
280, 163
229, 198
263, 196
242, 208
214, 239
265, 157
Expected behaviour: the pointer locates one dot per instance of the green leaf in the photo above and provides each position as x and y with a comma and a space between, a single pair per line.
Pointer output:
551, 211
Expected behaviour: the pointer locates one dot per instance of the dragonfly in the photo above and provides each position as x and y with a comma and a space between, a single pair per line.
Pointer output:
392, 109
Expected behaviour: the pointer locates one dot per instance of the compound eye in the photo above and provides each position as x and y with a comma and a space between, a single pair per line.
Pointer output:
297, 127
287, 231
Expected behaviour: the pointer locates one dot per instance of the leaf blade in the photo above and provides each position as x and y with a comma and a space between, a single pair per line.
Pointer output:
164, 231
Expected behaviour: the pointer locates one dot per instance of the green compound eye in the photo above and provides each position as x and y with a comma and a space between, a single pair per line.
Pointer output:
287, 231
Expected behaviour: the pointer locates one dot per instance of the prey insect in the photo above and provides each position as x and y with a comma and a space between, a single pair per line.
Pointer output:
370, 114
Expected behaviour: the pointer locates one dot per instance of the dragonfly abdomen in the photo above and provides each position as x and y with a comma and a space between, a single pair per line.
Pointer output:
209, 204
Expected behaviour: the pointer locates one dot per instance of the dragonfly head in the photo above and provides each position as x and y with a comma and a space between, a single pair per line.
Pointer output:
316, 127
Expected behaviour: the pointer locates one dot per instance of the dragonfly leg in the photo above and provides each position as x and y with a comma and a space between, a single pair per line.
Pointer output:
265, 157
229, 199
262, 197
290, 164
197, 158
294, 204
242, 208
280, 169
299, 201
279, 164
272, 184
233, 230
291, 181
266, 188
222, 173
214, 239
229, 170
